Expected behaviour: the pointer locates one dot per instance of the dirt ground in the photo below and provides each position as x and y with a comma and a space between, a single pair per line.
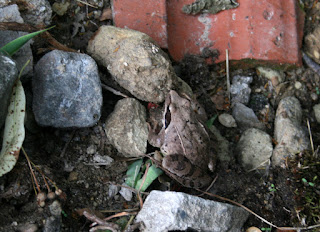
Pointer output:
66, 156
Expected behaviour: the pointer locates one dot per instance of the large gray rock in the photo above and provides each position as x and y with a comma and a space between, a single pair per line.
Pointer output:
8, 75
288, 132
36, 12
136, 63
67, 90
10, 14
127, 129
245, 117
254, 149
164, 211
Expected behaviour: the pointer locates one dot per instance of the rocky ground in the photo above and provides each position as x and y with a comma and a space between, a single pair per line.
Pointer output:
88, 171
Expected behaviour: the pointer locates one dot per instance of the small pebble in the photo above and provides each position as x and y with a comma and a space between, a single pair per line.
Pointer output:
314, 96
227, 120
297, 85
253, 229
73, 176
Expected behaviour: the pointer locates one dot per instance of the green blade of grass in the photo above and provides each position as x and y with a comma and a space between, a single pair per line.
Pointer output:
13, 46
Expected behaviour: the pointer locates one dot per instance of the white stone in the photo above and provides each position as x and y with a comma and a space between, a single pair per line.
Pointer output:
167, 211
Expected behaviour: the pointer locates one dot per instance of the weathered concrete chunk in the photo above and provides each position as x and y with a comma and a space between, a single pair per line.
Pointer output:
167, 211
127, 129
136, 63
8, 75
288, 132
254, 149
67, 90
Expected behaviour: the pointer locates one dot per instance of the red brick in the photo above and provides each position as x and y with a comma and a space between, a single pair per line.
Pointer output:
264, 30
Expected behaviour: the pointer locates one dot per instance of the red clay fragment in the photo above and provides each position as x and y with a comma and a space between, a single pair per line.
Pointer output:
264, 30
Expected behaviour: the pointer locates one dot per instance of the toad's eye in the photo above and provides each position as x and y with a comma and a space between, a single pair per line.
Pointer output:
167, 118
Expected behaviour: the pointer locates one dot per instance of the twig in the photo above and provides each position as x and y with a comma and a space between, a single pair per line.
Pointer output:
261, 218
30, 167
88, 4
105, 225
116, 92
120, 215
310, 134
67, 144
118, 210
228, 77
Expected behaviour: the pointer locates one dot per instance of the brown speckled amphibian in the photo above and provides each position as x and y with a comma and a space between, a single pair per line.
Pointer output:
184, 141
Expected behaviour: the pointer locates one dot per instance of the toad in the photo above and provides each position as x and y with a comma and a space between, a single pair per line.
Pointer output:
183, 140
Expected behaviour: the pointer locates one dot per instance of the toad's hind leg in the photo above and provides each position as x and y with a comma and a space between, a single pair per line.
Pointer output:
183, 171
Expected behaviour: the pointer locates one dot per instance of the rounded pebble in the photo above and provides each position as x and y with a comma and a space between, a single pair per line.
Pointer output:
227, 120
297, 85
253, 229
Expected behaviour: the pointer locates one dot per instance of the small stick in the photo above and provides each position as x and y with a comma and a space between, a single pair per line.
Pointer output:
228, 77
113, 91
311, 140
31, 170
88, 4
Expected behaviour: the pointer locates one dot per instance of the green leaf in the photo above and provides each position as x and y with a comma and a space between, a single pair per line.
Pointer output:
13, 46
152, 174
14, 129
209, 123
133, 173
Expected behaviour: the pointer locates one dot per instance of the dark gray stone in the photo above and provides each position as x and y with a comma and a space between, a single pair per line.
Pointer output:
166, 211
67, 90
8, 75
22, 55
37, 12
246, 118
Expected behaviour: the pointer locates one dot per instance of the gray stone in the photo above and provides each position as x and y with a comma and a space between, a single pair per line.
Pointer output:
288, 132
246, 118
4, 3
8, 75
55, 208
37, 12
53, 224
136, 63
10, 14
22, 55
254, 149
67, 90
316, 109
127, 129
240, 89
164, 211
227, 120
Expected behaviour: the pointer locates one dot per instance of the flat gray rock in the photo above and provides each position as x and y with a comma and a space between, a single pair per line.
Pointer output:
8, 75
67, 90
167, 211
126, 127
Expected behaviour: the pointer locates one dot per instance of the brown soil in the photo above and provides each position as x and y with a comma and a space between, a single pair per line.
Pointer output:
62, 154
